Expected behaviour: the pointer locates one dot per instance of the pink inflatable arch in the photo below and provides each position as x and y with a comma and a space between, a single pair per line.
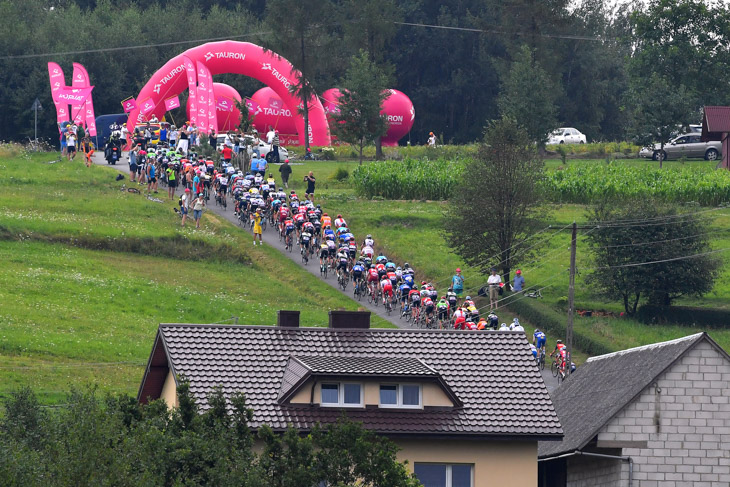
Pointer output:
232, 57
226, 120
271, 111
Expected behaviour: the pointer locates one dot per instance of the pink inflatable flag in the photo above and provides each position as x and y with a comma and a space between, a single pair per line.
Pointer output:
58, 83
172, 103
129, 105
192, 89
81, 77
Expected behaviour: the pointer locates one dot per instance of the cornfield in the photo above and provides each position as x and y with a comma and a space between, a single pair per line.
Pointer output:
587, 183
410, 179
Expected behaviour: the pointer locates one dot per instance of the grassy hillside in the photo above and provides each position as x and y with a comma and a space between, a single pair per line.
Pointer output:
89, 272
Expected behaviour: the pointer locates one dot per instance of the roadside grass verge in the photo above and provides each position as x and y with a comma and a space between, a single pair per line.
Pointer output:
89, 272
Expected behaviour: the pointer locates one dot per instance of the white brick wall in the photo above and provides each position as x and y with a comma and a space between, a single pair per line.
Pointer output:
686, 427
595, 472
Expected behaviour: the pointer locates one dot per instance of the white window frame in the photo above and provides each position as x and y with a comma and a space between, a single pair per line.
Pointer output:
448, 466
341, 395
399, 396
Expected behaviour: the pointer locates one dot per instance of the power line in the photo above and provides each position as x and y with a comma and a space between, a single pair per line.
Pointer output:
673, 259
125, 48
501, 32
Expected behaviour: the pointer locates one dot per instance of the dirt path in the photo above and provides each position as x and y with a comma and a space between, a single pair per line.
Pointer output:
270, 238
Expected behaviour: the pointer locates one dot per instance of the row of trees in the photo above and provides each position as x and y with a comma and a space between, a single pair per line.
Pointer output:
601, 70
641, 251
114, 441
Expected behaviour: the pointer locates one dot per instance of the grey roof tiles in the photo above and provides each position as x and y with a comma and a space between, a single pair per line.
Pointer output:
491, 373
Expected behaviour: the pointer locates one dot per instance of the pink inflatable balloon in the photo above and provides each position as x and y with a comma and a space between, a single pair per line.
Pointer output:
397, 107
401, 113
227, 120
232, 57
272, 112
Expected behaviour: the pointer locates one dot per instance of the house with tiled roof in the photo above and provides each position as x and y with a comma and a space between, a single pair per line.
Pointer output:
467, 409
657, 415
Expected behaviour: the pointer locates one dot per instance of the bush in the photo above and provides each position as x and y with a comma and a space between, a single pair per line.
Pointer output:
684, 315
596, 150
409, 179
341, 174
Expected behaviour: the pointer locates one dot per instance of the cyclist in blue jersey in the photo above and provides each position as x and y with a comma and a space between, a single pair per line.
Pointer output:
539, 339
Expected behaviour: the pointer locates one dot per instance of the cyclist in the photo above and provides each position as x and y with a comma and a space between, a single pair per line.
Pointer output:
459, 319
304, 239
560, 351
332, 251
428, 307
329, 234
340, 222
539, 339
404, 289
352, 249
443, 309
222, 186
503, 327
373, 281
468, 302
408, 279
368, 242
452, 299
398, 274
342, 262
289, 228
358, 271
326, 221
534, 351
367, 251
415, 297
386, 287
323, 254
515, 326
493, 320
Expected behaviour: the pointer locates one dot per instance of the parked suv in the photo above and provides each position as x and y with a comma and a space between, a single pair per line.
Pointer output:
687, 145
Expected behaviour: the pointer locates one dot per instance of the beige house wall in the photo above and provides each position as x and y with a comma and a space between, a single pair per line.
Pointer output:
169, 391
496, 463
432, 394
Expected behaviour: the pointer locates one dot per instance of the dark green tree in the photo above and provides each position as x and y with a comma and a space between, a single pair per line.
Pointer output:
638, 232
304, 37
496, 208
359, 121
528, 96
658, 110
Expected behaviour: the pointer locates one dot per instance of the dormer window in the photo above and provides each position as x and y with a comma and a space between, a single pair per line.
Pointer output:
341, 394
400, 396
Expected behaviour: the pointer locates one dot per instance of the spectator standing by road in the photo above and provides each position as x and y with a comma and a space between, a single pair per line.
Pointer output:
285, 170
494, 281
163, 134
270, 135
519, 282
71, 145
309, 179
275, 148
182, 146
173, 137
88, 149
133, 163
431, 140
257, 230
457, 283
198, 205
147, 135
227, 153
212, 139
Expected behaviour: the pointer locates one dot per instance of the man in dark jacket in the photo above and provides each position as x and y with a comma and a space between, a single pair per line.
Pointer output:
285, 170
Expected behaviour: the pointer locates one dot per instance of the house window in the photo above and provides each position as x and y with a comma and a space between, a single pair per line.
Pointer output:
344, 394
400, 396
444, 475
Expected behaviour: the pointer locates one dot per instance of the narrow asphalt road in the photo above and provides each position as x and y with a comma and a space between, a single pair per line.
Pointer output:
271, 238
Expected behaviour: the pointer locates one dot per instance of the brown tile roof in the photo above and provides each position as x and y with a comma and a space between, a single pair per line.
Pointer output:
492, 374
715, 122
392, 366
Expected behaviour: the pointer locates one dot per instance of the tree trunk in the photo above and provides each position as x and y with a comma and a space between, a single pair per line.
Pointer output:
626, 304
378, 150
661, 154
636, 303
361, 147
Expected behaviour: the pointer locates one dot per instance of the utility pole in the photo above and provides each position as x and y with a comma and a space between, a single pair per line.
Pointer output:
571, 304
36, 106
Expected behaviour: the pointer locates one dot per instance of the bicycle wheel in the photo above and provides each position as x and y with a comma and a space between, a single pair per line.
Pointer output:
554, 369
541, 365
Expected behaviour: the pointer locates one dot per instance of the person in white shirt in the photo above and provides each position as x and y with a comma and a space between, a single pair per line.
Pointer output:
270, 135
431, 140
494, 281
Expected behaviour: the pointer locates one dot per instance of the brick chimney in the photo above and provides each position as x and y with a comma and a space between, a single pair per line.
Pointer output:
350, 319
287, 319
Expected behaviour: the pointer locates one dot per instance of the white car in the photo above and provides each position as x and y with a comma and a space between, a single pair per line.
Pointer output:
566, 135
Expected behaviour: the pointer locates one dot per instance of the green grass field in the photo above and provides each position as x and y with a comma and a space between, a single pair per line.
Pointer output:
89, 272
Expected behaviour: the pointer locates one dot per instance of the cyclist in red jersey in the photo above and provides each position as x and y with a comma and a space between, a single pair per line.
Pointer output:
386, 287
373, 281
415, 297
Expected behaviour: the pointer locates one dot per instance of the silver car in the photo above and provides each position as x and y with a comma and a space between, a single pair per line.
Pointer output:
687, 145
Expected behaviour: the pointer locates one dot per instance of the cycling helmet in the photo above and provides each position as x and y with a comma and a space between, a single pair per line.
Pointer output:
468, 298
537, 330
406, 266
398, 268
369, 236
339, 216
372, 266
559, 341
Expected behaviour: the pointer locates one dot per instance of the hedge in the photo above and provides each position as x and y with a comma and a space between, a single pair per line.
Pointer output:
684, 315
554, 324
